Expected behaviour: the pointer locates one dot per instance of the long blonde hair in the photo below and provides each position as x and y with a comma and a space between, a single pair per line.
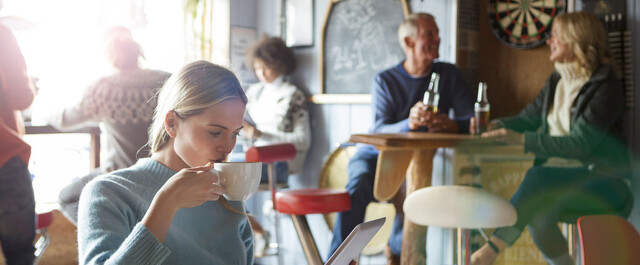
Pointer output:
194, 88
587, 39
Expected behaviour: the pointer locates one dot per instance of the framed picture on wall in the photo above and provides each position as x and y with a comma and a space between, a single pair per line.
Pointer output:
298, 29
241, 40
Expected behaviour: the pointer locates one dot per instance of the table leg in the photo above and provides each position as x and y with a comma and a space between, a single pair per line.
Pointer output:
391, 171
414, 237
95, 151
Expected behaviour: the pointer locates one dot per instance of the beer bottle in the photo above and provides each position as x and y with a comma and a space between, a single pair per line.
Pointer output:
432, 97
481, 109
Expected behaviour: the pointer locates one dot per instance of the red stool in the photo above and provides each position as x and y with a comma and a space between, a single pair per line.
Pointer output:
299, 203
608, 239
43, 223
270, 154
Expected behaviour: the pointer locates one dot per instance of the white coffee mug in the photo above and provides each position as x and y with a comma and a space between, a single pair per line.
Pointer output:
240, 179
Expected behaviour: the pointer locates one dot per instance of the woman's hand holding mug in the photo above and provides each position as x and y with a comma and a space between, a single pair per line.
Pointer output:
188, 188
192, 187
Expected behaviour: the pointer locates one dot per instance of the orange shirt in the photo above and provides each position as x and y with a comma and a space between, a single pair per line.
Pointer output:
16, 94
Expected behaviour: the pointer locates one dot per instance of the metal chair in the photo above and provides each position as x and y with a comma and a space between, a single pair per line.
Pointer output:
608, 239
43, 223
299, 203
270, 154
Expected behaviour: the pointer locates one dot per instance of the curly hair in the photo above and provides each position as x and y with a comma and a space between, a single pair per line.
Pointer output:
274, 53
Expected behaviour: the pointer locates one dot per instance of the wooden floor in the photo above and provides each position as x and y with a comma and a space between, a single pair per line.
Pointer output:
63, 249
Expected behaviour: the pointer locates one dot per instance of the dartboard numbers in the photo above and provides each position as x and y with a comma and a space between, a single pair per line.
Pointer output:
523, 23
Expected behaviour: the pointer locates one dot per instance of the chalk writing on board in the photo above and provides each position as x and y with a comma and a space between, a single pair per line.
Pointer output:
360, 41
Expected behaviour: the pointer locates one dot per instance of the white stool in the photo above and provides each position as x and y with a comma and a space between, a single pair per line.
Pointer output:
461, 207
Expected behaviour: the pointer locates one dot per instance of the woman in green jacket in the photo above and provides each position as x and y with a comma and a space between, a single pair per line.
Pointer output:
574, 128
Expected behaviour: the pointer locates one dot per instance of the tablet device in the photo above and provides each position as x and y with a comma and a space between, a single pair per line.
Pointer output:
352, 246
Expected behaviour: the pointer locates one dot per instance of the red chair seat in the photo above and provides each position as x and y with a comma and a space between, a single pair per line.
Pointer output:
312, 201
44, 220
608, 239
271, 153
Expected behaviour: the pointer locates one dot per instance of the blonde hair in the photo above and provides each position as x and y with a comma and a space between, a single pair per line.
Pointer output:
584, 34
194, 88
409, 27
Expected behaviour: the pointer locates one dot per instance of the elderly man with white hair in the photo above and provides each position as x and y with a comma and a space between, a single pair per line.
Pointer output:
397, 106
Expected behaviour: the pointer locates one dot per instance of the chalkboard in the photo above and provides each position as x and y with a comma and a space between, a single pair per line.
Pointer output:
360, 38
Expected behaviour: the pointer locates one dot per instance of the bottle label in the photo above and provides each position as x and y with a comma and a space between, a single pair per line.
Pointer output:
482, 121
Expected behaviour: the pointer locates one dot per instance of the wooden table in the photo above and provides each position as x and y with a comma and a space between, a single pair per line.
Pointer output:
410, 155
94, 161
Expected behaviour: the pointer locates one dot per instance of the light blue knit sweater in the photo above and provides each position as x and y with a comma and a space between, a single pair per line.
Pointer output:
109, 229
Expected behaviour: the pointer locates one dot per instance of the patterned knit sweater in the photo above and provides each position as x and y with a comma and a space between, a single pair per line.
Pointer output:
124, 104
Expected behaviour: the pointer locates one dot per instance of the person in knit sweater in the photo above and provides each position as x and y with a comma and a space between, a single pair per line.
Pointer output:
168, 209
574, 129
123, 102
17, 203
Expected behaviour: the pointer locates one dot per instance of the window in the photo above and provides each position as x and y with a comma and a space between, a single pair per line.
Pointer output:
62, 44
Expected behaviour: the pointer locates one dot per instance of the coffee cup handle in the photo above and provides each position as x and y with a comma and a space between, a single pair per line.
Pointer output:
217, 173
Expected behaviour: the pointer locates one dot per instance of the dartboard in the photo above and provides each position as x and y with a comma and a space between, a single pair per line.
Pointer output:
523, 23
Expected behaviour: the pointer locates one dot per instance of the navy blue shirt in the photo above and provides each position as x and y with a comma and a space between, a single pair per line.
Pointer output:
394, 92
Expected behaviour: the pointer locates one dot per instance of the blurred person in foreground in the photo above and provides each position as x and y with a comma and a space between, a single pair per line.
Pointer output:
123, 102
17, 202
574, 129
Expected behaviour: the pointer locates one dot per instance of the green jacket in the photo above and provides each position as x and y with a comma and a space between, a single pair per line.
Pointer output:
596, 136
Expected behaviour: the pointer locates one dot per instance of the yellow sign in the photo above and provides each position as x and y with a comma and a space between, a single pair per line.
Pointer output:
503, 178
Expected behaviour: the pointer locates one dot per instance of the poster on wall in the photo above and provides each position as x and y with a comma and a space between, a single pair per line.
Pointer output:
299, 23
241, 40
